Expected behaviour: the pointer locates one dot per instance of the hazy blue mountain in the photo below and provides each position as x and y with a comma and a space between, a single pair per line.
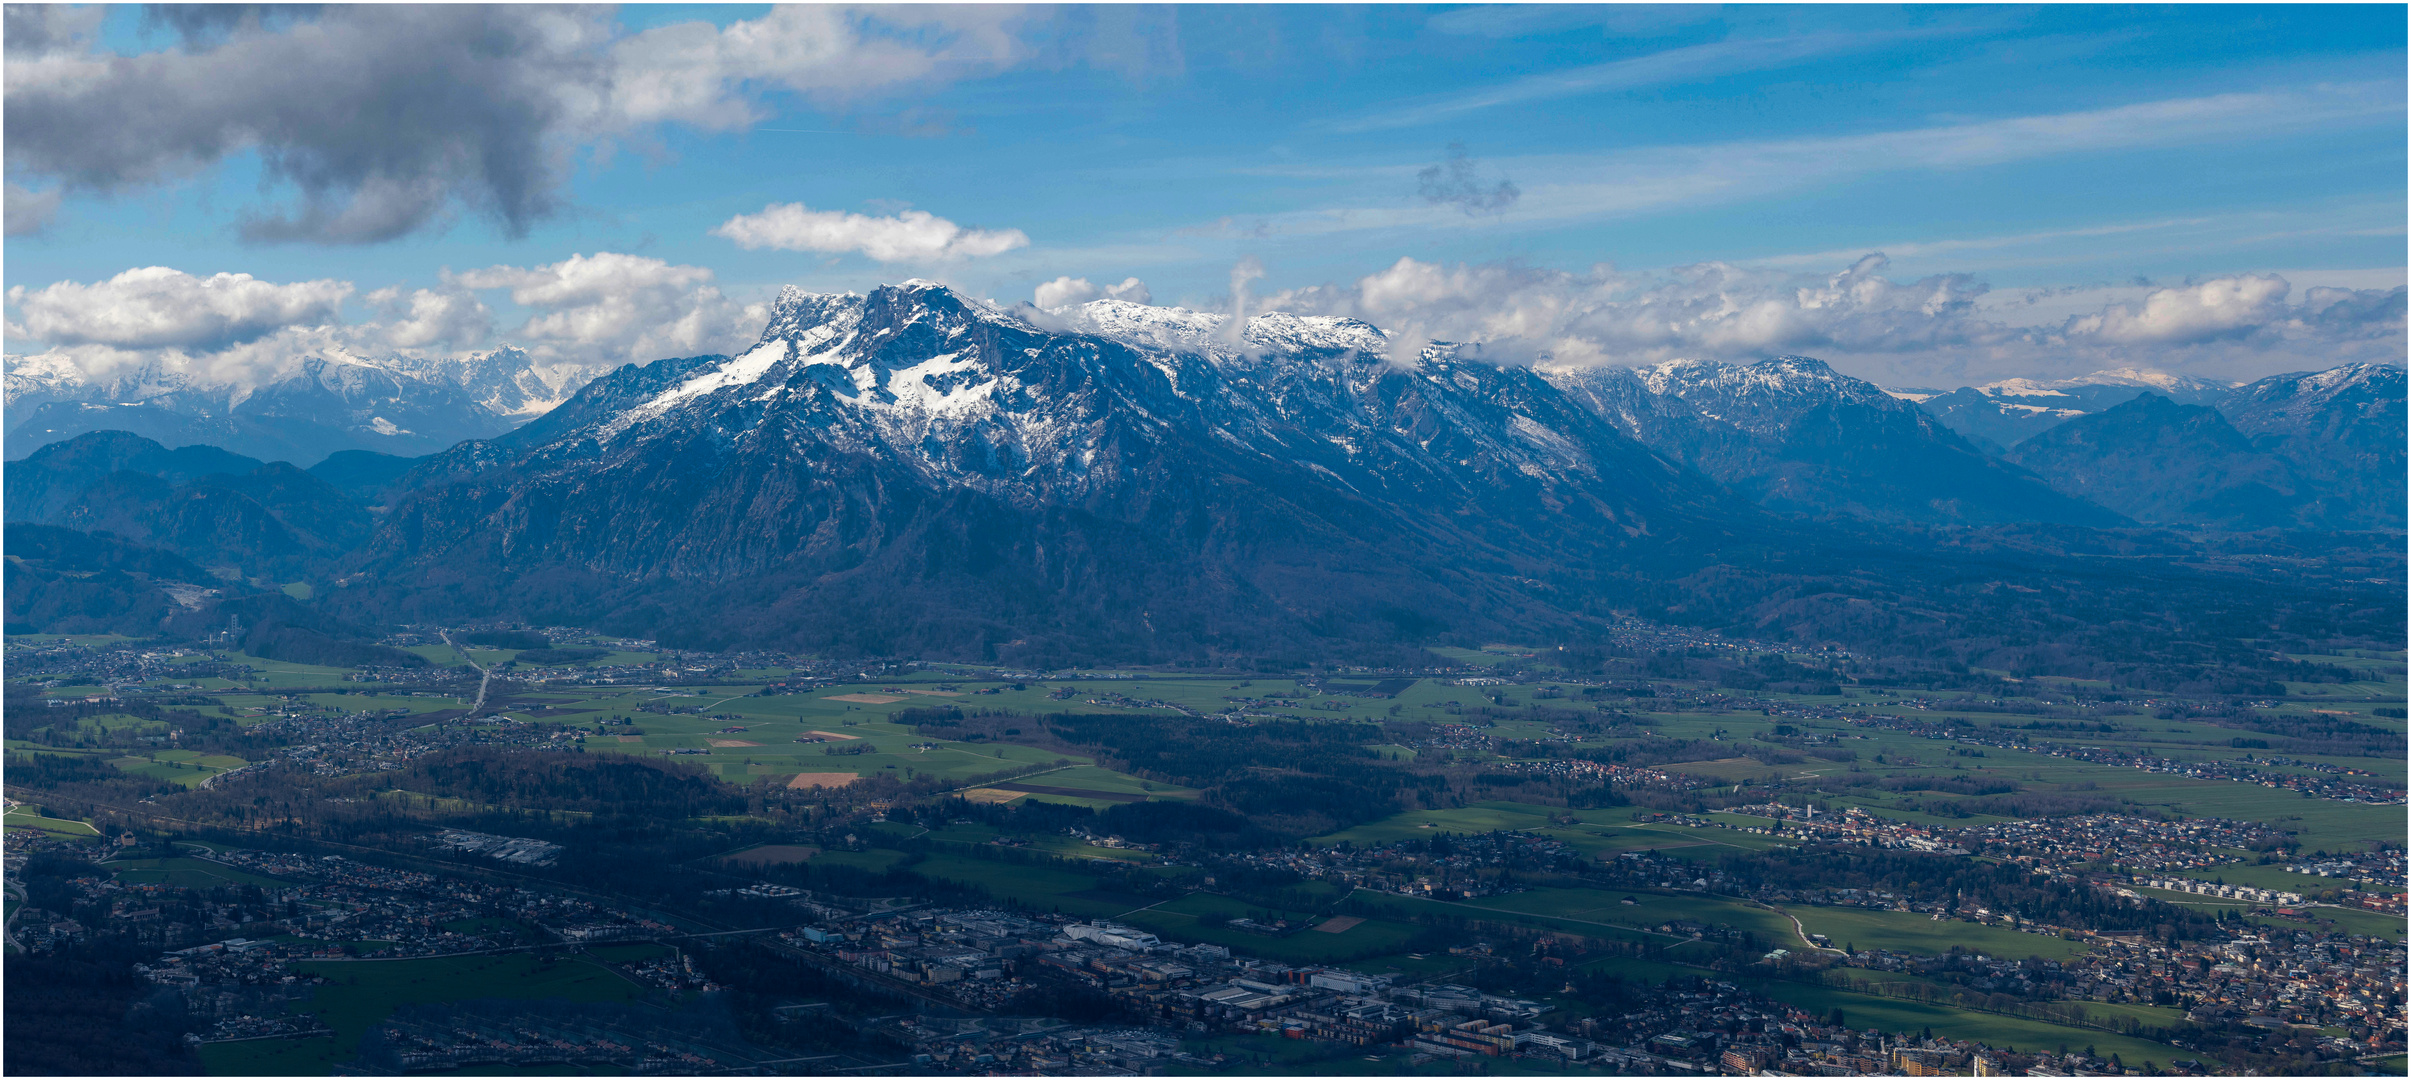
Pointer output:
207, 506
1799, 437
1999, 415
362, 474
2160, 462
2308, 450
2341, 431
46, 481
405, 408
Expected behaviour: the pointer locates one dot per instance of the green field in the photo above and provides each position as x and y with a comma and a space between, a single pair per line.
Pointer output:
2275, 877
1417, 909
1595, 832
24, 818
1909, 1017
774, 724
1060, 846
1648, 911
283, 673
184, 768
2345, 919
2361, 921
1911, 932
875, 860
1178, 920
1042, 888
362, 993
1097, 778
188, 873
1479, 817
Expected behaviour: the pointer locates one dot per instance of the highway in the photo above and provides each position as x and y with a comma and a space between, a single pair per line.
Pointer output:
486, 678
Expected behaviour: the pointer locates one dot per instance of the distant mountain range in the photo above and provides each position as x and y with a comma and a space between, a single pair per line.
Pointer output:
2000, 415
913, 471
240, 517
2322, 450
401, 406
1797, 437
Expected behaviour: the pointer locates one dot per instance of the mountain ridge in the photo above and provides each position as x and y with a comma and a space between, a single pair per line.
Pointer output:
327, 402
1799, 437
1248, 475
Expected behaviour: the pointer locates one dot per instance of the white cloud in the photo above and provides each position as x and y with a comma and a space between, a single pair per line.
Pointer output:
1069, 291
698, 74
430, 317
611, 307
1608, 317
2218, 308
1244, 275
913, 235
586, 311
1928, 331
243, 365
159, 307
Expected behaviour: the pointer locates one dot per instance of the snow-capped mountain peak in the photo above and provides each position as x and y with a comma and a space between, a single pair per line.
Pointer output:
2162, 381
1207, 333
1760, 397
1039, 407
325, 401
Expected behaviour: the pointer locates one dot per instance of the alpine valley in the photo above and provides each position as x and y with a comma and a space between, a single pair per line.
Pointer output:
915, 472
1448, 540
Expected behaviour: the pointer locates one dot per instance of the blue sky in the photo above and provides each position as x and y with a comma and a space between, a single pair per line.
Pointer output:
2097, 153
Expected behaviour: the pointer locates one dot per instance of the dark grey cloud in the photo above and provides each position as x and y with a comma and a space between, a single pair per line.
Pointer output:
204, 25
28, 212
2359, 313
382, 118
32, 29
1457, 182
374, 121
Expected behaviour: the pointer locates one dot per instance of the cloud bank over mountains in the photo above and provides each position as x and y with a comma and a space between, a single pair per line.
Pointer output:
1067, 291
592, 311
156, 307
1925, 331
610, 308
